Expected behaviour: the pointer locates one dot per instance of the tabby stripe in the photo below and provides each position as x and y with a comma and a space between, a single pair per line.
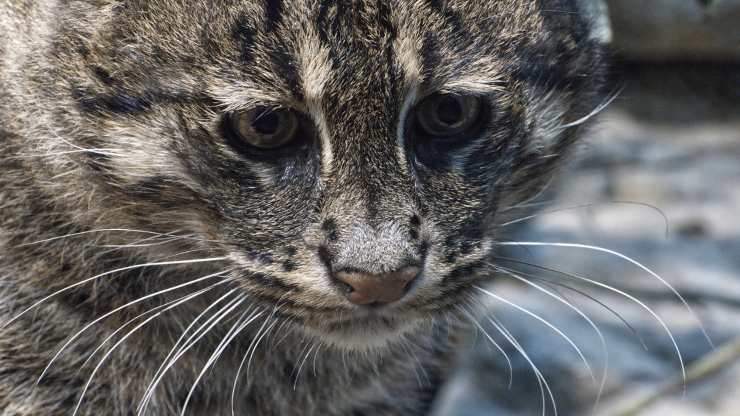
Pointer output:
274, 14
123, 102
244, 34
270, 282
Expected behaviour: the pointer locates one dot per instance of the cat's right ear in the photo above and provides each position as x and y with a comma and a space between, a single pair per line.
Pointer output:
598, 13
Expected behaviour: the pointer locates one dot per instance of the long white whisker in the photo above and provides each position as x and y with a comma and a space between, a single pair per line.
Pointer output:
82, 282
104, 230
580, 292
546, 323
300, 366
590, 205
101, 230
538, 375
623, 257
200, 333
186, 331
117, 344
495, 344
591, 323
601, 107
636, 301
100, 151
141, 299
243, 361
315, 355
137, 317
233, 333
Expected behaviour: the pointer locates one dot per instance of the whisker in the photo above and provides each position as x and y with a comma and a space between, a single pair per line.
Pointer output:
192, 340
141, 299
611, 310
315, 355
185, 332
105, 230
546, 323
404, 344
142, 243
601, 107
633, 299
495, 344
101, 151
300, 366
116, 345
543, 384
170, 256
257, 337
626, 258
137, 317
236, 329
591, 323
591, 205
82, 282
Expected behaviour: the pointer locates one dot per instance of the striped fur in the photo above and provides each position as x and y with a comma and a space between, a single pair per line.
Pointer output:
112, 119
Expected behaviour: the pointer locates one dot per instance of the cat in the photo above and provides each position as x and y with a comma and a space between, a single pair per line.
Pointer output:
266, 207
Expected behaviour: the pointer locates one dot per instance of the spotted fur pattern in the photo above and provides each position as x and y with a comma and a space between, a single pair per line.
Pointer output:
113, 156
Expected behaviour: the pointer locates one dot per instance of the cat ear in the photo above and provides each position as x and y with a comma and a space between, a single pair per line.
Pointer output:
598, 13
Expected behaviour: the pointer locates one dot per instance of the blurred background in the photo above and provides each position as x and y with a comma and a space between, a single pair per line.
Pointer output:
658, 180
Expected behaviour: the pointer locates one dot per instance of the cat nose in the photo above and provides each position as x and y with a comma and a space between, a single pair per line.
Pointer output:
377, 289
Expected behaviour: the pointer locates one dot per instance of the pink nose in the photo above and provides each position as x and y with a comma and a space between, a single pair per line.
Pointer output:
367, 289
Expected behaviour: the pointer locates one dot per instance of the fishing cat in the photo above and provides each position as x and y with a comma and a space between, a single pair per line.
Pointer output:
265, 207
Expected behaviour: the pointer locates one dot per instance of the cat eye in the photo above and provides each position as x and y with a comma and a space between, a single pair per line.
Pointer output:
446, 115
264, 127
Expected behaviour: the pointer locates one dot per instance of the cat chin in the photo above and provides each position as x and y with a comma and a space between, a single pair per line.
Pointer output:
365, 337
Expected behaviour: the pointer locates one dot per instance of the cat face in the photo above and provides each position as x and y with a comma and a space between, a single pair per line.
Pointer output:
351, 159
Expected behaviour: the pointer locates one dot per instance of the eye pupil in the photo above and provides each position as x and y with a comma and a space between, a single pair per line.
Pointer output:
449, 111
264, 127
450, 115
267, 123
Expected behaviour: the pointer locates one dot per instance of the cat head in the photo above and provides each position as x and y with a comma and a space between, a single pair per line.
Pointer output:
350, 159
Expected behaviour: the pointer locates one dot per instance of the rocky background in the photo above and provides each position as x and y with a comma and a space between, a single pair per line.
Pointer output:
658, 181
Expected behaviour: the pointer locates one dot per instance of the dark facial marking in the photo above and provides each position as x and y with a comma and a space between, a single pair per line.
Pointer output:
274, 14
289, 266
329, 226
270, 282
90, 102
243, 33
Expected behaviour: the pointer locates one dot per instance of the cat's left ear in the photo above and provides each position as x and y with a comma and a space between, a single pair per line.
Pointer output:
598, 13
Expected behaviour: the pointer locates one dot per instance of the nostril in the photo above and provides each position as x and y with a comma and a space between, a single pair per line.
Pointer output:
376, 289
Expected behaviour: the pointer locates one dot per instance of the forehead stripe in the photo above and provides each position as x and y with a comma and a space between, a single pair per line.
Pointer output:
274, 14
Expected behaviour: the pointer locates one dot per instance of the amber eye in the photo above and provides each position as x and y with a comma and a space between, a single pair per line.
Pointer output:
264, 127
445, 115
